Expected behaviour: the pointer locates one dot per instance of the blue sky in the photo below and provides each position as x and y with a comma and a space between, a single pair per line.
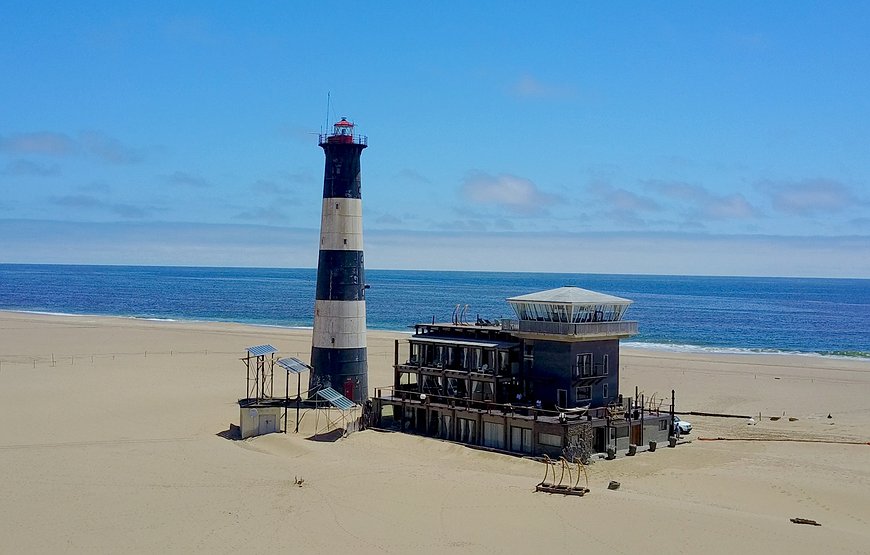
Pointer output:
669, 137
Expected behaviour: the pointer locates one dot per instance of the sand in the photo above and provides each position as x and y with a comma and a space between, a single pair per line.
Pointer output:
118, 446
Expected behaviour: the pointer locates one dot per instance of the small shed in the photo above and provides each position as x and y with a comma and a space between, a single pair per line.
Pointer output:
258, 417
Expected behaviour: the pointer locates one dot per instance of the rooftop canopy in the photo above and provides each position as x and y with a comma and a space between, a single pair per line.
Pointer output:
569, 304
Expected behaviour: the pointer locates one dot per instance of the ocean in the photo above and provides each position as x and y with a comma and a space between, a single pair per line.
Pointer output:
829, 317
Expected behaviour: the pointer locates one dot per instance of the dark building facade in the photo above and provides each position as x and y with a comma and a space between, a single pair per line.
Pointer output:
541, 384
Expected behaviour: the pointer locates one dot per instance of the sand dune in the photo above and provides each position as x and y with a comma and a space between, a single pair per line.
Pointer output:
116, 446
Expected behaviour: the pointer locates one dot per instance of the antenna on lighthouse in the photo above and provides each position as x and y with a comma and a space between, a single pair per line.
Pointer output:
326, 129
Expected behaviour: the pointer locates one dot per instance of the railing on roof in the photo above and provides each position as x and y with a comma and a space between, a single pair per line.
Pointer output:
324, 138
621, 328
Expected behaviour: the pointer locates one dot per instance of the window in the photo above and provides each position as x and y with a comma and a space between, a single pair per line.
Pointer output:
466, 430
584, 365
552, 440
521, 439
663, 425
583, 393
493, 435
475, 358
606, 367
604, 391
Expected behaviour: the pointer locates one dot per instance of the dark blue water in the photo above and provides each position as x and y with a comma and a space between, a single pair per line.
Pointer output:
824, 316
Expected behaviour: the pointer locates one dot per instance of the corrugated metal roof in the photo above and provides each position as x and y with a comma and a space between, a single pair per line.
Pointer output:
335, 398
260, 350
570, 295
293, 365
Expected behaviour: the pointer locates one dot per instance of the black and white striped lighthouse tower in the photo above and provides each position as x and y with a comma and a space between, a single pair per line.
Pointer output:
338, 350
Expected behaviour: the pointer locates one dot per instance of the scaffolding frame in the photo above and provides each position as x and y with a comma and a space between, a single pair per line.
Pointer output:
260, 365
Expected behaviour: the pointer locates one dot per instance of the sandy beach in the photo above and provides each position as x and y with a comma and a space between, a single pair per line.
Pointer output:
113, 441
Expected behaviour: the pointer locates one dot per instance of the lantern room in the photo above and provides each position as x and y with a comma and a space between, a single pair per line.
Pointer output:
342, 132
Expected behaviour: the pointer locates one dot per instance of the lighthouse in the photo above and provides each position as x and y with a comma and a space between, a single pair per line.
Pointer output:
338, 349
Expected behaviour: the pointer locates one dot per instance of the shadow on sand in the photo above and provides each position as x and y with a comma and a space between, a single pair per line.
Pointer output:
328, 437
233, 433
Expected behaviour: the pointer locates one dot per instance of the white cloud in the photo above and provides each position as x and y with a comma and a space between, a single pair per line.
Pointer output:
90, 143
271, 246
81, 202
108, 149
622, 206
807, 197
516, 194
528, 86
263, 214
622, 200
388, 219
704, 203
184, 179
413, 176
22, 167
269, 187
42, 142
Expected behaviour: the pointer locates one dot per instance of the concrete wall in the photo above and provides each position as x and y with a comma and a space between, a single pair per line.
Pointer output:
249, 422
651, 431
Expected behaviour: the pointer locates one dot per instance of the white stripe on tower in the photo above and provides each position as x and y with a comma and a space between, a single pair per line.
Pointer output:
341, 225
339, 324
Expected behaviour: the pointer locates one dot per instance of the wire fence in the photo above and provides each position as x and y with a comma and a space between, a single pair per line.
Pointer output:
54, 360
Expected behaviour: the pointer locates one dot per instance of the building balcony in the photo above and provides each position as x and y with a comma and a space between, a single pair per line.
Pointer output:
586, 330
439, 369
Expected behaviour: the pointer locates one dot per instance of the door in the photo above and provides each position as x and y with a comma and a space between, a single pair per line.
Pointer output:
268, 424
421, 421
348, 388
599, 440
467, 431
562, 398
493, 435
635, 434
521, 439
446, 430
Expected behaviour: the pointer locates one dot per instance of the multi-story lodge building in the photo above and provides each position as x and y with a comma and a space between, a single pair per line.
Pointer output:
543, 383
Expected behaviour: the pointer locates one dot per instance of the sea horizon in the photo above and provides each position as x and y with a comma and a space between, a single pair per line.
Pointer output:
368, 269
676, 313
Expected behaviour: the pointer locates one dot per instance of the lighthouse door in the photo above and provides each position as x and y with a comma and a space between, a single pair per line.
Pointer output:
348, 388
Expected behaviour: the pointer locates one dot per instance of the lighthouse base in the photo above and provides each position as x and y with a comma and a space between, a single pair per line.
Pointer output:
344, 370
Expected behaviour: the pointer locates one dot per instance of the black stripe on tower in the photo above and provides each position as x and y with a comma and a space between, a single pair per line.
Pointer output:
341, 176
340, 276
344, 365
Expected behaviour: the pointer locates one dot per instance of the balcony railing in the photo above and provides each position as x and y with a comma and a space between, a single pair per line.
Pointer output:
622, 328
623, 409
331, 138
441, 368
588, 370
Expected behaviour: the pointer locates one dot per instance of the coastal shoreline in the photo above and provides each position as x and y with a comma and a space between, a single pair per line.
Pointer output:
115, 433
629, 345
